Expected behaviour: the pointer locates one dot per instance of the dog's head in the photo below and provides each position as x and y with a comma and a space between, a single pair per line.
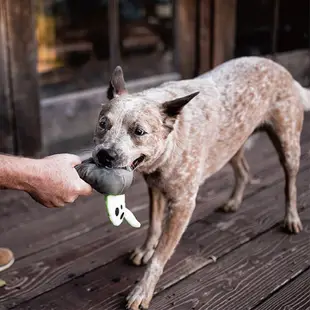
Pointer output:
132, 131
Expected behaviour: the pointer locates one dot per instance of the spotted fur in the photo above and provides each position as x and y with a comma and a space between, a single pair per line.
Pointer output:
192, 129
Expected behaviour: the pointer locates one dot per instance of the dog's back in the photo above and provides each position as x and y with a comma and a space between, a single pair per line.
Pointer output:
235, 98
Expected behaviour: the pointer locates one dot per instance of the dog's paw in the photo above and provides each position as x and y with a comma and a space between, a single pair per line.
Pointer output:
139, 298
231, 206
141, 256
292, 223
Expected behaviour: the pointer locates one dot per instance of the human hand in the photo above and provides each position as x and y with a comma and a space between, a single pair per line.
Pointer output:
53, 180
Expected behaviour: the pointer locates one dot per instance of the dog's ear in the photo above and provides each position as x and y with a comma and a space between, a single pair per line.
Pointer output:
171, 109
117, 84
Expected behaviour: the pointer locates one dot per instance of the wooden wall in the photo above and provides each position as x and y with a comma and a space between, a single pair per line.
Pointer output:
6, 111
205, 34
20, 106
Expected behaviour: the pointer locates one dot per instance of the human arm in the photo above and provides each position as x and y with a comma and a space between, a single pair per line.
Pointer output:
52, 181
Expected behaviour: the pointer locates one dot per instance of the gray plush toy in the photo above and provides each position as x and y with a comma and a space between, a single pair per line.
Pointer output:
112, 183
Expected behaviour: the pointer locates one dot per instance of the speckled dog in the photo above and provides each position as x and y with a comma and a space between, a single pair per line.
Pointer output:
180, 133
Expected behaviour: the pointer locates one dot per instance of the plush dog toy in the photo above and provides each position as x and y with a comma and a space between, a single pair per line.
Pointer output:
112, 183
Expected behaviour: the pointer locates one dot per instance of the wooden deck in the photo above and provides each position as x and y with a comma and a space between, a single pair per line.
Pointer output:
74, 259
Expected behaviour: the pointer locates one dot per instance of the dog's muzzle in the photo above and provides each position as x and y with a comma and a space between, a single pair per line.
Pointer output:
108, 159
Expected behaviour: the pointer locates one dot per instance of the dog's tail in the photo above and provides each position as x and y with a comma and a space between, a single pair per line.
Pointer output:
304, 94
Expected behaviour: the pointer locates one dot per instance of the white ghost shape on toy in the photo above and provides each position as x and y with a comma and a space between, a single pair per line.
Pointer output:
117, 211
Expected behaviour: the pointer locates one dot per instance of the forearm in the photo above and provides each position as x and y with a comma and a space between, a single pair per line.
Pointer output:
52, 181
16, 172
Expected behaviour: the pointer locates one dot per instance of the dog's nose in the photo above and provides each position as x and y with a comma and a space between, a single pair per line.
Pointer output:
105, 158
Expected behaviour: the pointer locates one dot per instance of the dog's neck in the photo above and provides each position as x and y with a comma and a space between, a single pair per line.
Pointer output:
172, 148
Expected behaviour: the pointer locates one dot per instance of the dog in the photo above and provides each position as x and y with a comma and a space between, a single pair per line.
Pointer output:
182, 132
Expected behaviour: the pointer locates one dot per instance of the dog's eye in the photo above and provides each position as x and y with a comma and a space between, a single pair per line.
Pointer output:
140, 132
104, 123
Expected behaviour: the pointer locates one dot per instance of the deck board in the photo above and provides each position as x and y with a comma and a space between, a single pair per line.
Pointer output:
216, 234
73, 258
245, 276
294, 295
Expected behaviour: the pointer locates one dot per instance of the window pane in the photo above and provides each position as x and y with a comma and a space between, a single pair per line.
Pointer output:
73, 42
146, 35
73, 48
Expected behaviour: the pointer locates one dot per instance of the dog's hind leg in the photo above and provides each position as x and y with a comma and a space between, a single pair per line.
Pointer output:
242, 178
142, 255
284, 132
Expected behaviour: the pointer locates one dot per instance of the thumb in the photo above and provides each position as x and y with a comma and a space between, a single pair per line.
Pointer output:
85, 188
73, 159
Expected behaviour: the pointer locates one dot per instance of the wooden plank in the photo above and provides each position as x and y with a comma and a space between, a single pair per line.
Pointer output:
216, 235
224, 31
205, 36
23, 76
57, 225
63, 227
244, 277
185, 32
6, 120
294, 295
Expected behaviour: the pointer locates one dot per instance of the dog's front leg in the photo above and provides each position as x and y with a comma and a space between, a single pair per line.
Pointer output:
177, 220
157, 207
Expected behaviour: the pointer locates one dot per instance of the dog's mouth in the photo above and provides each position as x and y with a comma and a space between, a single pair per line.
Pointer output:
132, 167
137, 162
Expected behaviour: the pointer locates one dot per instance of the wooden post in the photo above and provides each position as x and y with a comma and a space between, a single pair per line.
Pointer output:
114, 34
275, 26
24, 87
224, 30
6, 113
205, 36
186, 39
